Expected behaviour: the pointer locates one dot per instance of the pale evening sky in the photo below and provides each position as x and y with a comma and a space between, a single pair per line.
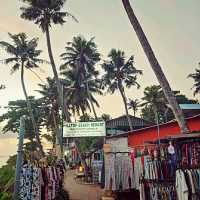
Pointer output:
172, 27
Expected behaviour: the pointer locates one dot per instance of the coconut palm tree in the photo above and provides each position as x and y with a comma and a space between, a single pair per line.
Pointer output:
2, 87
82, 56
154, 97
196, 77
134, 104
78, 96
154, 100
120, 73
51, 107
156, 67
45, 13
23, 54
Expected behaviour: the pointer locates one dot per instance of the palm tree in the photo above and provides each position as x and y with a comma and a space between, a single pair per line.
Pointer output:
154, 100
82, 56
156, 67
45, 13
51, 107
196, 77
17, 109
24, 55
119, 72
134, 104
78, 96
2, 87
153, 96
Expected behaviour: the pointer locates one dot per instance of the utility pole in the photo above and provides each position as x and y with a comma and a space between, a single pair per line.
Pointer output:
62, 121
19, 162
158, 126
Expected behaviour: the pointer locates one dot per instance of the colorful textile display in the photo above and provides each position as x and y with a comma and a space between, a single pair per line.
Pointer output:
120, 173
188, 184
157, 191
41, 183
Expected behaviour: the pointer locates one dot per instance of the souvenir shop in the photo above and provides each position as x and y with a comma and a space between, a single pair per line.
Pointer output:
41, 181
165, 169
171, 168
119, 169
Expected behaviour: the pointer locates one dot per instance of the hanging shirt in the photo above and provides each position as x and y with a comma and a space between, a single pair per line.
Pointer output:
181, 186
138, 171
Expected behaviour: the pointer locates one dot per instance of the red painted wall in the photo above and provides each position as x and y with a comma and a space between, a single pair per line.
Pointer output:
138, 137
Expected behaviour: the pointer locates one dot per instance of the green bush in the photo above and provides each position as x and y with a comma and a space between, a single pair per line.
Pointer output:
5, 196
7, 174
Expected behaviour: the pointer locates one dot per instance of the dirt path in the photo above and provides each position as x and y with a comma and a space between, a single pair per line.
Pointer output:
80, 191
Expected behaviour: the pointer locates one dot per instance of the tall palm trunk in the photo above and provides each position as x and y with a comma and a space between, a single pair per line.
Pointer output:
58, 84
121, 89
91, 103
31, 112
156, 67
134, 112
58, 140
88, 91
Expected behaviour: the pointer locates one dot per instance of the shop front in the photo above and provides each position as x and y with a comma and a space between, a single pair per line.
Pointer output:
157, 162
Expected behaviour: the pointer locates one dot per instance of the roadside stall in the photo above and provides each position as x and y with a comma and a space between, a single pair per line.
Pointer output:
165, 163
119, 168
171, 168
41, 179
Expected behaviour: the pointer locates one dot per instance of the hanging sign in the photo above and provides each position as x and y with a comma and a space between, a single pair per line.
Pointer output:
84, 129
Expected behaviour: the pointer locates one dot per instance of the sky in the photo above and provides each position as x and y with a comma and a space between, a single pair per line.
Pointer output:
172, 27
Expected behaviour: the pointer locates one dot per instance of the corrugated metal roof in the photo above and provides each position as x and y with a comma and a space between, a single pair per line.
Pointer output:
123, 122
190, 106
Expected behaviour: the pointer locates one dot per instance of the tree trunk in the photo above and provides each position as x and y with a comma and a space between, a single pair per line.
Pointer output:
58, 84
31, 112
82, 66
134, 112
91, 103
156, 67
125, 104
58, 141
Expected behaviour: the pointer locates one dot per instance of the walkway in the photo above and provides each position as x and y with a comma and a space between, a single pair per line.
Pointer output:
81, 191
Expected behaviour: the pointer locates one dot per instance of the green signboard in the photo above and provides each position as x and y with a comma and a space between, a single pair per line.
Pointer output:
84, 129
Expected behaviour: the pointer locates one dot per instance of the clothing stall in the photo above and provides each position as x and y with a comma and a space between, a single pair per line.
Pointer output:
119, 177
40, 181
171, 168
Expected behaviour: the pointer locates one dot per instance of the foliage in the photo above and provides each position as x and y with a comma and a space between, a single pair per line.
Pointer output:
24, 54
105, 117
153, 95
22, 51
7, 177
80, 74
17, 109
120, 73
12, 160
134, 105
118, 69
2, 87
196, 77
7, 174
81, 51
44, 12
51, 117
154, 102
5, 196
